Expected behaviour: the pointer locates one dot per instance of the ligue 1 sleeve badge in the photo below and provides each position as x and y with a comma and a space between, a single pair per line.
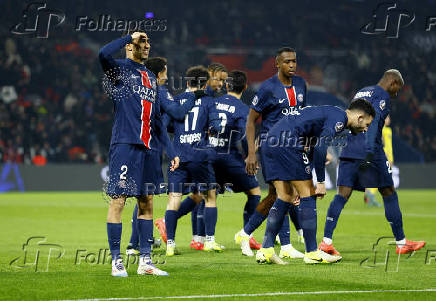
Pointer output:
300, 97
382, 104
339, 126
255, 100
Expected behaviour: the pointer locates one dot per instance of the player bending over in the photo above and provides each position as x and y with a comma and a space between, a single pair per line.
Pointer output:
288, 151
362, 167
279, 96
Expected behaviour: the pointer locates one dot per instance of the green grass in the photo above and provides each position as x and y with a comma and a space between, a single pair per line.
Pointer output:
77, 221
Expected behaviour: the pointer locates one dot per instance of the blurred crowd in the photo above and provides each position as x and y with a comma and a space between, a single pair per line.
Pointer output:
53, 108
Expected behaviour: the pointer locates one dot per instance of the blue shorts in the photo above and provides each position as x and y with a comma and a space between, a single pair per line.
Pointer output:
285, 164
378, 175
230, 172
191, 177
134, 170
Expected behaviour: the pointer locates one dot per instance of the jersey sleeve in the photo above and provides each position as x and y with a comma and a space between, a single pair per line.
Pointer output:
261, 99
371, 135
331, 128
305, 94
162, 134
105, 54
173, 108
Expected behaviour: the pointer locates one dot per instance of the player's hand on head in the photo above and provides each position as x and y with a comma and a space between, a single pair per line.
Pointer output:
136, 36
251, 165
175, 163
320, 190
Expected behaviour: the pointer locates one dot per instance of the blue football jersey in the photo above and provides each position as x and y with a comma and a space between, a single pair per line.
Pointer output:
135, 97
315, 126
228, 116
372, 139
191, 133
274, 100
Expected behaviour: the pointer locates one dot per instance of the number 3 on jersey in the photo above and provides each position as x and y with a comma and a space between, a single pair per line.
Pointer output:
194, 114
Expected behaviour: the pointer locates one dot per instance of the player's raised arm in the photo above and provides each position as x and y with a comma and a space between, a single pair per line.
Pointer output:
251, 164
106, 52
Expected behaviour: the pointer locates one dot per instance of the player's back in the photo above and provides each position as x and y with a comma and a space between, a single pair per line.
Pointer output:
274, 100
232, 115
190, 134
380, 100
309, 122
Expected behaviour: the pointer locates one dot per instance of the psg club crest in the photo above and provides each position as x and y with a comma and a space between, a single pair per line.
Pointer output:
255, 100
339, 126
308, 170
300, 97
382, 104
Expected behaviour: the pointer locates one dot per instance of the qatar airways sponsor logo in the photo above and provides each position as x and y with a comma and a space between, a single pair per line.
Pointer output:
144, 92
190, 138
218, 142
290, 111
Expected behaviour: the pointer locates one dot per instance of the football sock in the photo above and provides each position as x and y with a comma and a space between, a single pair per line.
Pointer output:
285, 233
293, 214
327, 240
274, 222
393, 215
210, 216
201, 229
145, 229
114, 238
333, 213
171, 223
254, 222
134, 237
194, 213
250, 207
186, 206
307, 215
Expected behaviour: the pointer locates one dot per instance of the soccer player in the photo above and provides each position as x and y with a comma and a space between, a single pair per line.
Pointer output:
158, 66
367, 166
279, 96
194, 202
291, 146
137, 136
228, 163
190, 141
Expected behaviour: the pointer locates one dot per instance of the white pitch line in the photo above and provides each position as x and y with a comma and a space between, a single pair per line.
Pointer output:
383, 213
255, 295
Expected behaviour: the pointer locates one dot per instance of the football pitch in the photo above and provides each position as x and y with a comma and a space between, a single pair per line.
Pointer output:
50, 245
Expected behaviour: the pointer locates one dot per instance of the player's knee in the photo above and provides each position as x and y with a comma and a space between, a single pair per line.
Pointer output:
196, 197
254, 191
272, 192
265, 205
345, 192
117, 204
174, 200
386, 191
